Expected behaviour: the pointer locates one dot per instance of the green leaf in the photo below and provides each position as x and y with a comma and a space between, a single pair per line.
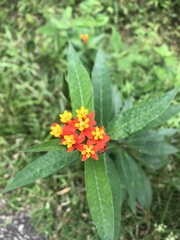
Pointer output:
170, 112
42, 167
102, 89
47, 30
150, 135
80, 86
115, 40
156, 162
139, 116
116, 190
51, 145
155, 148
143, 189
116, 101
99, 198
125, 175
134, 180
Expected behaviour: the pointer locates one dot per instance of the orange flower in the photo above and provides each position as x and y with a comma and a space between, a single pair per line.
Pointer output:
72, 141
84, 38
85, 126
88, 151
98, 133
100, 139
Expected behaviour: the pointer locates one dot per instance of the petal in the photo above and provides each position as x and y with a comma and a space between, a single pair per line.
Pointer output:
91, 142
79, 147
94, 156
88, 133
84, 157
106, 138
82, 135
70, 149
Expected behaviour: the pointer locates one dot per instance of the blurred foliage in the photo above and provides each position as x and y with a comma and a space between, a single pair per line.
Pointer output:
140, 39
142, 69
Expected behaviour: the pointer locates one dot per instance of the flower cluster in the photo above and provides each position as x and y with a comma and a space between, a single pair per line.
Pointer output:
171, 236
81, 133
160, 227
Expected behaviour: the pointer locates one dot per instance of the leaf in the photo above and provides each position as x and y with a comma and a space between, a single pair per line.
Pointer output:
99, 198
167, 132
155, 148
116, 101
116, 190
153, 142
42, 167
151, 135
156, 162
115, 40
170, 112
80, 87
128, 103
143, 189
137, 117
135, 181
47, 30
125, 176
102, 89
51, 145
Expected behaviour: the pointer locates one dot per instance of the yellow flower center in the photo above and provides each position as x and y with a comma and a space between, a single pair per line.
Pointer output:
69, 140
65, 117
98, 133
88, 151
82, 113
56, 130
82, 124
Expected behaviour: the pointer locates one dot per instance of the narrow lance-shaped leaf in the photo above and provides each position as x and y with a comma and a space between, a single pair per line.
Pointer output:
155, 148
143, 189
99, 198
116, 189
125, 176
51, 145
137, 117
42, 167
80, 86
136, 182
155, 162
171, 111
102, 89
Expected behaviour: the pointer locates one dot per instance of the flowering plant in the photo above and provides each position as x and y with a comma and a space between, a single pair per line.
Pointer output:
114, 142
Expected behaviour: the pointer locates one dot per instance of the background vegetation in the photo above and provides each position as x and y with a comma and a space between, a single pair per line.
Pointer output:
140, 39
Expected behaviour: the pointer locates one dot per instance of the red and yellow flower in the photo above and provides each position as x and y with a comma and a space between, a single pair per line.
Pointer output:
73, 141
88, 151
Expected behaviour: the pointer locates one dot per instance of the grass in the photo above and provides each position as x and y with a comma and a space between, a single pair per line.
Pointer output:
33, 93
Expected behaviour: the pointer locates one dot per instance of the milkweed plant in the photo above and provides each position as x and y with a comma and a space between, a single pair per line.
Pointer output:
115, 143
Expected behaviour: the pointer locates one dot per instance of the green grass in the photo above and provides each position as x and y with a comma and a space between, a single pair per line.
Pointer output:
33, 93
